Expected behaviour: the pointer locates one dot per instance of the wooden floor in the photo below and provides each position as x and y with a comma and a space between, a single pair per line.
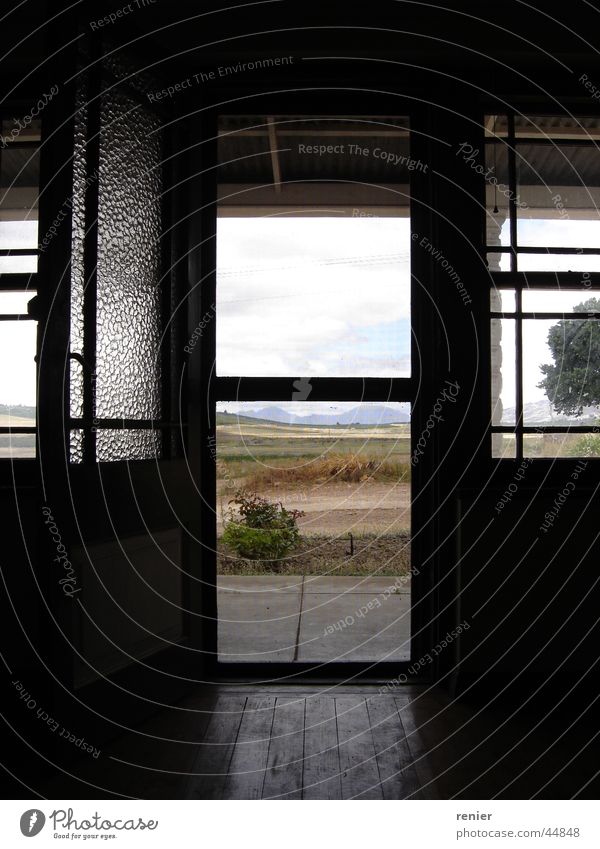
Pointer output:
315, 747
242, 741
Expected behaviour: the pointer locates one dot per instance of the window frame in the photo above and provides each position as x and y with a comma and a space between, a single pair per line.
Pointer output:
517, 280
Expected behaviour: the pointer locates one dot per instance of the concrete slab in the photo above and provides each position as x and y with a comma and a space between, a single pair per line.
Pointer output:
345, 619
332, 628
257, 627
259, 583
355, 584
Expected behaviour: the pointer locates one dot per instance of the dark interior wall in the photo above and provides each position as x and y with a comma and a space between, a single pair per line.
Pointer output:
447, 58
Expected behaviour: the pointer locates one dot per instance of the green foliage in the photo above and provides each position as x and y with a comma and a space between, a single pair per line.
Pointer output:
265, 531
588, 445
573, 381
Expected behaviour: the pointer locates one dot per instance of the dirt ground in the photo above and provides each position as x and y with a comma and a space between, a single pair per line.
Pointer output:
376, 555
335, 509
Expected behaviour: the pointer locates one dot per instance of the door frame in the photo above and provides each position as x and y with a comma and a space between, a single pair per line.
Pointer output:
207, 388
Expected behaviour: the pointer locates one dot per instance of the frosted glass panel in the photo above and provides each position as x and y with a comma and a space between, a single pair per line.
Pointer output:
128, 306
115, 445
76, 447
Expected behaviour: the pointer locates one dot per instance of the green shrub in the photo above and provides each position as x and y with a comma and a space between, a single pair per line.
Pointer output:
264, 531
588, 445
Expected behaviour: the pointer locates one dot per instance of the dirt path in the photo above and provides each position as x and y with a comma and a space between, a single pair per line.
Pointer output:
338, 508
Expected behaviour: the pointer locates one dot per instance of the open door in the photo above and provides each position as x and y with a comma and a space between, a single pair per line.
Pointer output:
111, 433
310, 383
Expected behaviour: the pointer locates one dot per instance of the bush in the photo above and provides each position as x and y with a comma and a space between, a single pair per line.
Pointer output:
588, 445
265, 531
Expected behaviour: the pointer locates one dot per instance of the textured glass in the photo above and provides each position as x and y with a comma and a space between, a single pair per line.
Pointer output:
78, 223
76, 447
112, 445
129, 228
122, 66
76, 382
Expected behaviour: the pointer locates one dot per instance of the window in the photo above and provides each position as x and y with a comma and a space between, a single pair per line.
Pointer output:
313, 390
543, 252
19, 181
313, 246
122, 349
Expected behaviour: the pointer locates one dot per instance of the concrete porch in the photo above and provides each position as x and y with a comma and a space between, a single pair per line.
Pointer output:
278, 619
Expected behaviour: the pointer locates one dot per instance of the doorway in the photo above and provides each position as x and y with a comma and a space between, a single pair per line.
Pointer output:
312, 391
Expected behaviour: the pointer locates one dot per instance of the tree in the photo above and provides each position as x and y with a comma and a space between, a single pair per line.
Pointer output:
573, 381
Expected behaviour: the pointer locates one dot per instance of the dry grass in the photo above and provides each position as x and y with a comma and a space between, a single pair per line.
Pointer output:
345, 467
376, 555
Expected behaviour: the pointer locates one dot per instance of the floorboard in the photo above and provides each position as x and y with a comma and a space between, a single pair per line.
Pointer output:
283, 779
249, 760
322, 778
399, 779
211, 767
358, 764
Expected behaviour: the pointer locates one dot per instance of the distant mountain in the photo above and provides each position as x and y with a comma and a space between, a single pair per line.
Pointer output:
542, 413
358, 415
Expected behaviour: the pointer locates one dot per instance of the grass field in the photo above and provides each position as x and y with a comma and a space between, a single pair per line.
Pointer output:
347, 480
16, 444
256, 453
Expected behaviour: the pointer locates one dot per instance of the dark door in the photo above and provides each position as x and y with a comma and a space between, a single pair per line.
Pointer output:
112, 423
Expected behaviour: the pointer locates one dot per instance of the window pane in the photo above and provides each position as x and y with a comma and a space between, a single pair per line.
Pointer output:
129, 231
561, 445
17, 373
313, 246
16, 445
19, 186
503, 359
498, 262
565, 300
558, 262
504, 446
15, 303
18, 234
313, 296
503, 300
561, 371
76, 446
347, 467
18, 264
113, 445
559, 187
497, 195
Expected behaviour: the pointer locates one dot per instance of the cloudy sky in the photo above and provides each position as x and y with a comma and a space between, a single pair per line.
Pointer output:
313, 297
323, 297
